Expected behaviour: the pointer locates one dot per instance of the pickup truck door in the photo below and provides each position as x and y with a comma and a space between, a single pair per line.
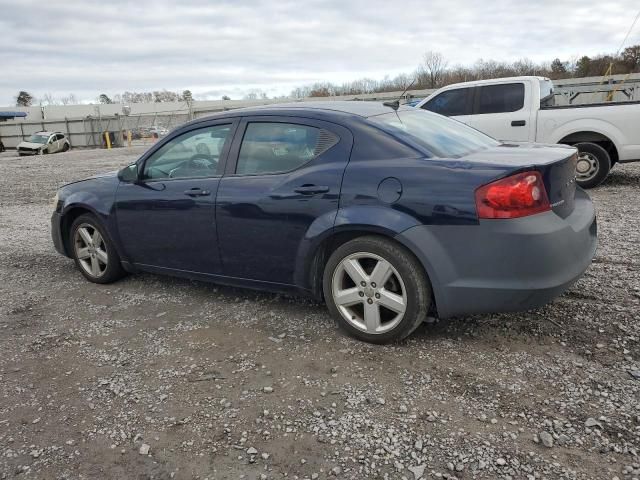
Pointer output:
503, 111
456, 103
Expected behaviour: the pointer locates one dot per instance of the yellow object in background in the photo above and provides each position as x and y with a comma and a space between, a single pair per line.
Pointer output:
108, 140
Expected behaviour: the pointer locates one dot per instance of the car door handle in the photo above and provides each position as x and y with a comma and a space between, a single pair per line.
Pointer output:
518, 123
311, 189
197, 192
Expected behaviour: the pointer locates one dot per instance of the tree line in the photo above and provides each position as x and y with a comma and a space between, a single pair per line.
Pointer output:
434, 71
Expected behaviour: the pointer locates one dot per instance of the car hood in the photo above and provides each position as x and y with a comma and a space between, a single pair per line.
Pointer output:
108, 176
34, 146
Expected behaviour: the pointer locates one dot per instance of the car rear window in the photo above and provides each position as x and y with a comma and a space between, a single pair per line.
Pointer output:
441, 136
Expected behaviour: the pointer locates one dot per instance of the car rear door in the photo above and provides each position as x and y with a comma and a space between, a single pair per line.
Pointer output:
456, 103
167, 219
281, 183
503, 111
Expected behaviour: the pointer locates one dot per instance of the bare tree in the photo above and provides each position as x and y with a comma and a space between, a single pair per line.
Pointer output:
49, 99
431, 71
69, 100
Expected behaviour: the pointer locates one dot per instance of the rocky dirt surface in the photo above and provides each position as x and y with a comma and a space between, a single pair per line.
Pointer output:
159, 378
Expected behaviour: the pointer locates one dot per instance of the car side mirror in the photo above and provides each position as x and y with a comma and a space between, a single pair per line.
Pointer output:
129, 173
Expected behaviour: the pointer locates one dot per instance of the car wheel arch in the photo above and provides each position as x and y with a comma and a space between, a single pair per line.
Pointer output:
68, 217
338, 238
593, 137
71, 212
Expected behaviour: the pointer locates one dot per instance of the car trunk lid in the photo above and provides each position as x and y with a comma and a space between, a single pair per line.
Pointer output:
556, 164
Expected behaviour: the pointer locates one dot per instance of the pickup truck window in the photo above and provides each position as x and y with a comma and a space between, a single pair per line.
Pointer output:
501, 98
442, 137
451, 102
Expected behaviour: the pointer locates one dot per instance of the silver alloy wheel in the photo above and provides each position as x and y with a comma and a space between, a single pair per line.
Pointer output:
587, 166
91, 250
369, 293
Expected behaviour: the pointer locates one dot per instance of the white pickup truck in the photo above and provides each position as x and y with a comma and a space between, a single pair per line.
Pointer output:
521, 109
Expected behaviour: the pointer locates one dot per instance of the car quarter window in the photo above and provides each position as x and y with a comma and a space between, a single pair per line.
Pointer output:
501, 98
271, 147
59, 136
193, 154
450, 102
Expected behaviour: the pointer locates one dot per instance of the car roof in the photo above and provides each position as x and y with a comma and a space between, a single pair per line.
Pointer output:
46, 133
492, 81
353, 107
326, 110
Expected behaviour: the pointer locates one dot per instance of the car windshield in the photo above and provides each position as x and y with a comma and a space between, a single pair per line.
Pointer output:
441, 136
36, 138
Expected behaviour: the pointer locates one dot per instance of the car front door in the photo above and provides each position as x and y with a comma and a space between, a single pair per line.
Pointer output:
283, 179
167, 219
456, 103
503, 111
52, 146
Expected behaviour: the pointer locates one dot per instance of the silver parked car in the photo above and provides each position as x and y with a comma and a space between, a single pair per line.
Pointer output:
41, 143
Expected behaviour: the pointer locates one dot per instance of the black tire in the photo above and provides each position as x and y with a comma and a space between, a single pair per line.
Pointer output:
65, 148
602, 161
44, 151
113, 270
415, 284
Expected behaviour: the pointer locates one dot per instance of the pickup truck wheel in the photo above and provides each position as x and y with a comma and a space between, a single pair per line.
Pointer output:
593, 164
376, 290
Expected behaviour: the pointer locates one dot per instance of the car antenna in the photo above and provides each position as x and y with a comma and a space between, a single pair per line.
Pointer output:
395, 104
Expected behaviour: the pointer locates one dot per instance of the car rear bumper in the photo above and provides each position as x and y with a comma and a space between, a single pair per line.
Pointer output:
505, 265
56, 233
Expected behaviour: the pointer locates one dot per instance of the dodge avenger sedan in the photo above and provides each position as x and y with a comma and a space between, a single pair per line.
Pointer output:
388, 213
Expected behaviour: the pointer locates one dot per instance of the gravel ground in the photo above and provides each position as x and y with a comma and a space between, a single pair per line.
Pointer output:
154, 377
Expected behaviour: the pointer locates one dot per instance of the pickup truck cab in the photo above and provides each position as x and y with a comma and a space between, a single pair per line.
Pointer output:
521, 109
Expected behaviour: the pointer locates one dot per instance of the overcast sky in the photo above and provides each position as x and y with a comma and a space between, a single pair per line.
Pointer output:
222, 47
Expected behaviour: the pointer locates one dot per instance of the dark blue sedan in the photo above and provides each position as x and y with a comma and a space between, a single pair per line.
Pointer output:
387, 214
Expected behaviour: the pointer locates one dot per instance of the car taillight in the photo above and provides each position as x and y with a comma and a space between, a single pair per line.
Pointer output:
516, 196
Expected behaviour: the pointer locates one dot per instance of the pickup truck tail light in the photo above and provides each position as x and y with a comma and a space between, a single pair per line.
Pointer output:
515, 196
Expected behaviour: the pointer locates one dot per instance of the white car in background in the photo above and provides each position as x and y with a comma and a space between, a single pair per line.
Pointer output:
154, 130
521, 109
42, 143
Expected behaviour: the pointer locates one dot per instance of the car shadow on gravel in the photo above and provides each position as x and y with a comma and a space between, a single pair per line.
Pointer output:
620, 178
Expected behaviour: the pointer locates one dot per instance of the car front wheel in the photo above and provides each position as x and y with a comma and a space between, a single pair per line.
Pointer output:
376, 289
93, 251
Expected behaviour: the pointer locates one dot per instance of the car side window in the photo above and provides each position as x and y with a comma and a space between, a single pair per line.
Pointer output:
502, 98
193, 154
451, 103
269, 147
59, 137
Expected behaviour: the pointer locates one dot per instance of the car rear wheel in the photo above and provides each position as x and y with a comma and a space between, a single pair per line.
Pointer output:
593, 164
376, 290
93, 251
65, 148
